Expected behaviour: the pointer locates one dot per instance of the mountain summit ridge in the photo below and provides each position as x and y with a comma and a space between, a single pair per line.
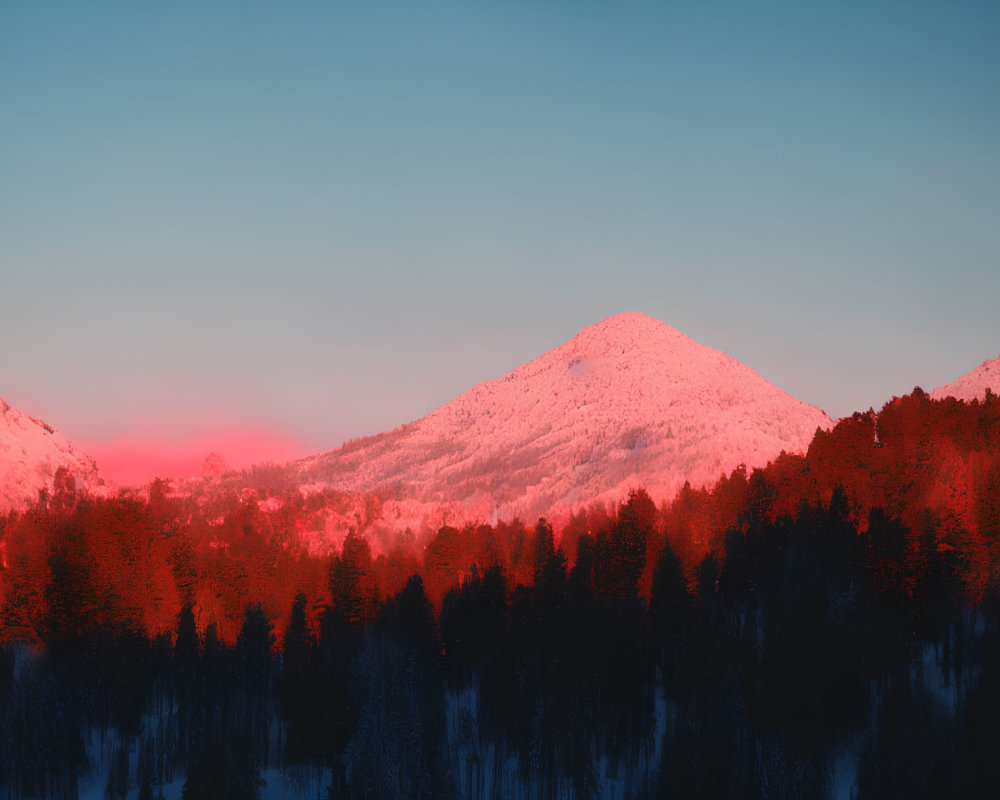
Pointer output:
627, 402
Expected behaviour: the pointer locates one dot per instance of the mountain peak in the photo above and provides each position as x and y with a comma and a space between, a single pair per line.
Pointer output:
626, 328
627, 402
973, 384
630, 321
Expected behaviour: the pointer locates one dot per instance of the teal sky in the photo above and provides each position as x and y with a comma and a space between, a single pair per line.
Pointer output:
324, 219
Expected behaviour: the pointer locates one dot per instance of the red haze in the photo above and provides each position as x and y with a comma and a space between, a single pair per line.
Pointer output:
137, 459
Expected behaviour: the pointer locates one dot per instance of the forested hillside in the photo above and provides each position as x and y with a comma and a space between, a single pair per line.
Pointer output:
829, 622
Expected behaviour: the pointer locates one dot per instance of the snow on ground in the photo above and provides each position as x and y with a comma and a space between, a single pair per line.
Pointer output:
973, 384
30, 454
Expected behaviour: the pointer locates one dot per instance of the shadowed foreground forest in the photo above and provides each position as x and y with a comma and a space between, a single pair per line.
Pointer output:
826, 627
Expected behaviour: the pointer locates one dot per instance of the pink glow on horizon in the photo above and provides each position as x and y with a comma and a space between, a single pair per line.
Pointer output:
137, 459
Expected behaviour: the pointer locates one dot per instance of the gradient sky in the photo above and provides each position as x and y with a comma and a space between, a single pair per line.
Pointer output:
304, 222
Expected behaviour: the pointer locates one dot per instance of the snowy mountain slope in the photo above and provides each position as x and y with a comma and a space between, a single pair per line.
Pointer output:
30, 454
973, 385
627, 402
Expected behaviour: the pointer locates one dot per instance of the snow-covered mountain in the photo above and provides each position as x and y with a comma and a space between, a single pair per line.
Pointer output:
627, 402
973, 385
30, 454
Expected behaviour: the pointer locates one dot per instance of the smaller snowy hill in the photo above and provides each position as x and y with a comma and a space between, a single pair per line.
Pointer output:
973, 385
30, 454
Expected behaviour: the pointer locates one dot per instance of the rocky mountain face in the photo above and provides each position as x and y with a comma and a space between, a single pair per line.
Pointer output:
31, 452
627, 402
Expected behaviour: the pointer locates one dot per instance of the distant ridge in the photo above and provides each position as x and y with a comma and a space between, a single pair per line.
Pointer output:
627, 402
973, 384
31, 452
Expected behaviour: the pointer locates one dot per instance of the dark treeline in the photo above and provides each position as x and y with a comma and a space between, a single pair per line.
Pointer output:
829, 625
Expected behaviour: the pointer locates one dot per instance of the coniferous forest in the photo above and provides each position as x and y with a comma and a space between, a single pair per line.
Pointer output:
826, 627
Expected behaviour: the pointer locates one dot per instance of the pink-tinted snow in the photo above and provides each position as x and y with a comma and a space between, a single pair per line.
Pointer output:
30, 454
973, 385
627, 402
